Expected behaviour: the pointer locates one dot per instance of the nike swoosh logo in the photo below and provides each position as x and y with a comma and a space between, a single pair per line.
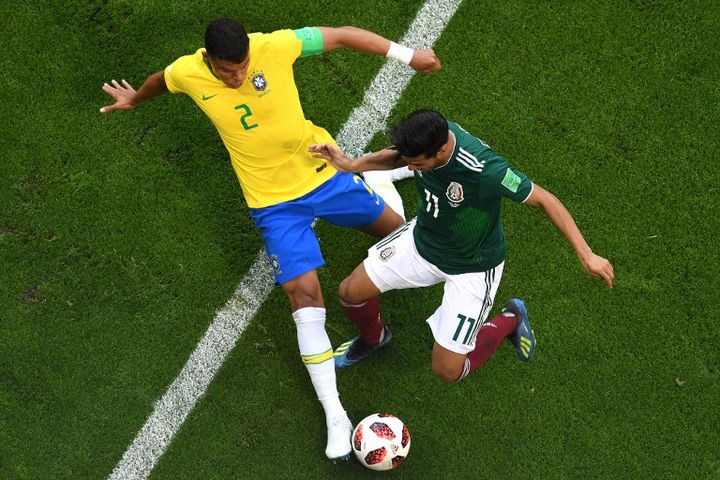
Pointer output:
208, 97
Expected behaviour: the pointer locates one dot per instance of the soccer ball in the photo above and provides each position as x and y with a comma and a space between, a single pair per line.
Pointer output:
381, 441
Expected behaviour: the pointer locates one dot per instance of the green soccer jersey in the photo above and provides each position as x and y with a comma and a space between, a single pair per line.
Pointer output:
458, 216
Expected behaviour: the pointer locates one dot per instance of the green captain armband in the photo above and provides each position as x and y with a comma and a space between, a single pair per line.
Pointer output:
312, 41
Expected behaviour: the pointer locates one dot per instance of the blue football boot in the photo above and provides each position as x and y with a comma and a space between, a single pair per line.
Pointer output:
523, 338
352, 351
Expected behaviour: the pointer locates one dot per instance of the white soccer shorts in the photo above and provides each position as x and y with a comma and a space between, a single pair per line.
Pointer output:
394, 263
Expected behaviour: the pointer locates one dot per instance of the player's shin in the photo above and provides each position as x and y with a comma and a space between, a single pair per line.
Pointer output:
317, 355
488, 339
366, 316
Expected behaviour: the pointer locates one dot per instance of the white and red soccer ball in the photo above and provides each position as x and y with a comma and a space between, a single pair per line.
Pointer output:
381, 441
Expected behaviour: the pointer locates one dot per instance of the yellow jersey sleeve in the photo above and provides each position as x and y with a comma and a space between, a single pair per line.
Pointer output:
176, 72
283, 44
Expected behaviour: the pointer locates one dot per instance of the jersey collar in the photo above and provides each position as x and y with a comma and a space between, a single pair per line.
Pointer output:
452, 137
207, 64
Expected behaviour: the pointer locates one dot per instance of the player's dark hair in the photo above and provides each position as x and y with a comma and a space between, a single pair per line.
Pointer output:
226, 39
422, 132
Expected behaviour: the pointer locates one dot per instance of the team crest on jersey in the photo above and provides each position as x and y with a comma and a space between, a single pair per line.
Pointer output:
386, 253
275, 264
258, 81
454, 194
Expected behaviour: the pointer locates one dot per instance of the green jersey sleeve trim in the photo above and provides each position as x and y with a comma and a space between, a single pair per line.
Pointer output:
312, 41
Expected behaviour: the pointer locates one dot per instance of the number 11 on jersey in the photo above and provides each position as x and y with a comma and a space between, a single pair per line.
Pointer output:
431, 205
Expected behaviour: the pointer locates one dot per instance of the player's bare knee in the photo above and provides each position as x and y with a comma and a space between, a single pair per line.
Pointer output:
303, 293
345, 291
396, 220
446, 373
393, 222
351, 289
303, 299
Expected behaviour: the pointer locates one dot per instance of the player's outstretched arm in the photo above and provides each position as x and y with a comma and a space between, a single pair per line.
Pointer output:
559, 215
125, 96
385, 159
424, 60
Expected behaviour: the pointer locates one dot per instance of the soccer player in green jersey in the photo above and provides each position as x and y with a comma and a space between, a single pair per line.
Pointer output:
456, 238
244, 84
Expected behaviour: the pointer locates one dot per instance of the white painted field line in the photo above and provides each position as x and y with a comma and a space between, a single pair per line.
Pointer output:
178, 401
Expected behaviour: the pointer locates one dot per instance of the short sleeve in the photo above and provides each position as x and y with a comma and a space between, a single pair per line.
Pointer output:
283, 44
502, 179
173, 79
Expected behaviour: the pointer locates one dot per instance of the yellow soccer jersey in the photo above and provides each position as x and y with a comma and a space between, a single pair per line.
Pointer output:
261, 123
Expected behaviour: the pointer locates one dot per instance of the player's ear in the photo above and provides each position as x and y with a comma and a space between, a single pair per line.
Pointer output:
443, 149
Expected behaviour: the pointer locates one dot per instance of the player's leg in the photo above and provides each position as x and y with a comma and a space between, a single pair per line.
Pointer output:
512, 324
401, 173
488, 340
295, 253
392, 263
473, 338
387, 176
304, 291
359, 299
316, 352
446, 364
452, 366
381, 181
348, 201
463, 341
388, 221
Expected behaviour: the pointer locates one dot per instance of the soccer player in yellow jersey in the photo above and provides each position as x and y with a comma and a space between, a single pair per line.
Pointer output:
244, 84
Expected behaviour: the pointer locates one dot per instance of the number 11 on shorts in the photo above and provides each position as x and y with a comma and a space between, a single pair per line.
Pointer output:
463, 320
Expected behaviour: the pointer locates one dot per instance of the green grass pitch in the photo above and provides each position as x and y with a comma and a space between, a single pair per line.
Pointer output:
121, 236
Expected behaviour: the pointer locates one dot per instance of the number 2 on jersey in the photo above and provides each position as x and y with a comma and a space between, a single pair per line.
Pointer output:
431, 205
243, 119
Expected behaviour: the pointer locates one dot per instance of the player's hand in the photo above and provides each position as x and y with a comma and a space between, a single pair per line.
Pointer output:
122, 94
600, 267
425, 61
332, 154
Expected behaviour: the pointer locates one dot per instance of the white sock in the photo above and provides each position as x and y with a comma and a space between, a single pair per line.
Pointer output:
400, 174
381, 182
317, 355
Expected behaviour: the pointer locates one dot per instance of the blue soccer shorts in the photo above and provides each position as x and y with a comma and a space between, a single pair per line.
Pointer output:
290, 242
